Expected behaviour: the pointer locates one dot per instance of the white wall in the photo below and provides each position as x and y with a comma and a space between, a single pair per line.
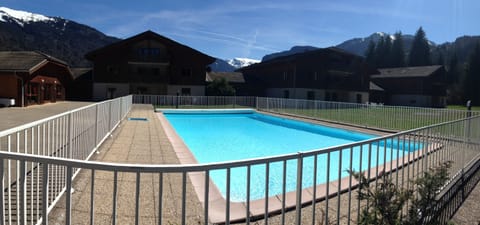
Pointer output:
195, 90
411, 100
302, 93
100, 90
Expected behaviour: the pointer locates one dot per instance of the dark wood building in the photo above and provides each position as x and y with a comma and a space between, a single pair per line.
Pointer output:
32, 77
325, 74
81, 88
423, 86
235, 79
148, 63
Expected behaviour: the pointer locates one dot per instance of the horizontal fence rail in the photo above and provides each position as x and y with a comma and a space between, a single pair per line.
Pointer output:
393, 118
30, 190
166, 101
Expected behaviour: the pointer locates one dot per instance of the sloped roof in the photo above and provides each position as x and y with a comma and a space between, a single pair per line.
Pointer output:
147, 34
231, 77
25, 61
375, 87
78, 72
418, 71
301, 55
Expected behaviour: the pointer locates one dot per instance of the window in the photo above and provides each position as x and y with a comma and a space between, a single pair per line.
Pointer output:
285, 76
334, 96
359, 98
155, 71
111, 92
148, 51
186, 91
112, 69
186, 72
286, 94
313, 76
141, 90
311, 95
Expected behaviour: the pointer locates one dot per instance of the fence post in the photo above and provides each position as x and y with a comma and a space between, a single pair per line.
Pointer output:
109, 116
176, 103
70, 135
299, 189
96, 125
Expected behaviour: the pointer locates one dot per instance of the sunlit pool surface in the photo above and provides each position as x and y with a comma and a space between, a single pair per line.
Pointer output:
229, 136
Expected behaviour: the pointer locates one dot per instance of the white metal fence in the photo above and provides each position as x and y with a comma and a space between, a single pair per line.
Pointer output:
33, 183
365, 115
195, 101
71, 135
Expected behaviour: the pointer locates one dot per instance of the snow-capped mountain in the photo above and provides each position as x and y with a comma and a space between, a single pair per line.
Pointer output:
61, 38
221, 65
242, 62
22, 17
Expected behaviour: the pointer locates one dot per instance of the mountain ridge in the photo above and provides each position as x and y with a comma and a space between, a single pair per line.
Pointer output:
61, 38
70, 41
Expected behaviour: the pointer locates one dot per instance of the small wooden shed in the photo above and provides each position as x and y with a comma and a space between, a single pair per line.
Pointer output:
32, 77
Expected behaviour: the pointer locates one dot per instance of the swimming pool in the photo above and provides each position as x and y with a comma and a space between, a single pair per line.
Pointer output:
235, 135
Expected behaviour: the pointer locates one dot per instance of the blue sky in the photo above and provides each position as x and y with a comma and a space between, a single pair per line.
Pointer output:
253, 28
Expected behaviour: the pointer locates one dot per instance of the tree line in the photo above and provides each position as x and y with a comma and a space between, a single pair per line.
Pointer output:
463, 79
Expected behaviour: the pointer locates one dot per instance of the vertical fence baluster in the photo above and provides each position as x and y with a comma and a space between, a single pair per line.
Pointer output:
68, 193
184, 195
114, 197
284, 184
137, 199
227, 200
339, 189
350, 168
45, 194
2, 187
314, 197
248, 194
206, 197
299, 189
23, 193
328, 189
92, 198
267, 182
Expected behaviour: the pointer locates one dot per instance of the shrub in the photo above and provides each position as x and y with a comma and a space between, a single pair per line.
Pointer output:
385, 200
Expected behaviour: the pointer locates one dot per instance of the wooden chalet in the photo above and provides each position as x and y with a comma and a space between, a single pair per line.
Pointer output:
235, 79
423, 86
32, 77
329, 74
148, 63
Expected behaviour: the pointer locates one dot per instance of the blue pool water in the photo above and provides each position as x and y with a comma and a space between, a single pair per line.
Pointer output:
219, 137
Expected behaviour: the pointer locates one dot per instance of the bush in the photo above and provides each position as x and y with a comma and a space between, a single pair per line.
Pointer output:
386, 200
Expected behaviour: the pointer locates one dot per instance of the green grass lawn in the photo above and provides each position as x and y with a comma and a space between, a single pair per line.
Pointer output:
462, 107
384, 117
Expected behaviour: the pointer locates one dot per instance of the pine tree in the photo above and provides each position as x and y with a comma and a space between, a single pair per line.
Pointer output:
452, 74
440, 59
379, 60
370, 54
472, 78
397, 52
420, 52
387, 51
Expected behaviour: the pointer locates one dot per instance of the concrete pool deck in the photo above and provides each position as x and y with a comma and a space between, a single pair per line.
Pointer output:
146, 143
